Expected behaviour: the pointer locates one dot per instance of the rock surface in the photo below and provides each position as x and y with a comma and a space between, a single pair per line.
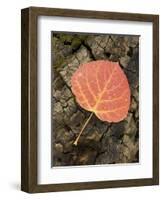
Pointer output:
101, 142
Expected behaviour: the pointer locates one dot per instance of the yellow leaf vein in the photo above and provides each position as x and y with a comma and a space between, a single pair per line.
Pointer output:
110, 111
109, 80
81, 92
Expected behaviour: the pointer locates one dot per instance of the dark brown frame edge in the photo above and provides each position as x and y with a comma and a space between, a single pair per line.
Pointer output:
29, 99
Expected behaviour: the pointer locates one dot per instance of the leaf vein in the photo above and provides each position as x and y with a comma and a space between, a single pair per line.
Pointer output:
100, 96
84, 97
110, 111
110, 100
89, 87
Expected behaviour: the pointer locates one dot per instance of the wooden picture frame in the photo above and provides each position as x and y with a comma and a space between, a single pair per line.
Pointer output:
29, 172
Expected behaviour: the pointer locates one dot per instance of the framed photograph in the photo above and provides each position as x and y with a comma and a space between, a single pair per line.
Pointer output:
90, 99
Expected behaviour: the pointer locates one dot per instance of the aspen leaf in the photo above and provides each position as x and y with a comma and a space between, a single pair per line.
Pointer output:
102, 88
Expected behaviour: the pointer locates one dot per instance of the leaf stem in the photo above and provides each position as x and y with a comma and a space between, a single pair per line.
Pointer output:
85, 124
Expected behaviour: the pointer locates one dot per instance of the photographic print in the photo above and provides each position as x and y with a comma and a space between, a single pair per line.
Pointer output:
89, 99
95, 99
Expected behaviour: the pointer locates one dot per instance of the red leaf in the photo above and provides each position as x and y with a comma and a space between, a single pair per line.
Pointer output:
101, 87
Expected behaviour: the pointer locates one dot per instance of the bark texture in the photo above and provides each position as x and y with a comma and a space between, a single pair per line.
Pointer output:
101, 142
